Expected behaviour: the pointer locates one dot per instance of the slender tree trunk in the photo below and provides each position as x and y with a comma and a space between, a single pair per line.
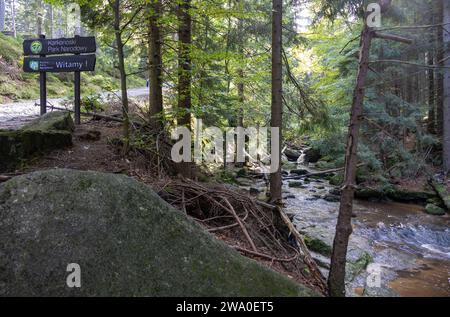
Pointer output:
431, 95
184, 72
446, 85
2, 15
277, 93
440, 75
240, 86
50, 22
155, 63
39, 17
336, 279
123, 75
13, 17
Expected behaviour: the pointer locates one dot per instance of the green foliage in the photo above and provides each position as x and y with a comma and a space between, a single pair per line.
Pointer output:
10, 49
92, 103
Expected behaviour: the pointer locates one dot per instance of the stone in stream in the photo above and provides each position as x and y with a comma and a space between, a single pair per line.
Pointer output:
292, 155
49, 132
335, 191
299, 172
254, 191
434, 210
296, 184
331, 198
311, 155
126, 240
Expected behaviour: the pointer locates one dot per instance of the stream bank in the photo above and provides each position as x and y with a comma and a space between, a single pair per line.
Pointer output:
399, 243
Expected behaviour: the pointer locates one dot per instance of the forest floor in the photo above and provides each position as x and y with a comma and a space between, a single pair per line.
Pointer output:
95, 149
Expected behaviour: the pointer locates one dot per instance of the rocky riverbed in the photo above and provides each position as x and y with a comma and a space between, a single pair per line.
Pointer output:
396, 249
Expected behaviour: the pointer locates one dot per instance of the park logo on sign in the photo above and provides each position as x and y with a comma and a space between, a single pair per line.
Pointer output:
34, 65
36, 47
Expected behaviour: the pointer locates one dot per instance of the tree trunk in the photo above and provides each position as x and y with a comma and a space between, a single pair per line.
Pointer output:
184, 72
155, 64
123, 75
336, 279
440, 76
446, 85
13, 17
50, 20
277, 91
39, 17
2, 15
240, 86
431, 95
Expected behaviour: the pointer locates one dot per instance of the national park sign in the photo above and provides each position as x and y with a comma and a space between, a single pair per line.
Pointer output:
78, 61
76, 45
59, 64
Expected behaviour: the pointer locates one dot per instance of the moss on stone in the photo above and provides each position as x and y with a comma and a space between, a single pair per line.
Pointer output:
126, 239
337, 180
317, 245
51, 121
51, 131
393, 193
356, 267
441, 190
434, 210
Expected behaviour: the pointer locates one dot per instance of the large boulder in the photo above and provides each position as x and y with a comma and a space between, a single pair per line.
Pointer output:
49, 132
126, 240
311, 155
292, 155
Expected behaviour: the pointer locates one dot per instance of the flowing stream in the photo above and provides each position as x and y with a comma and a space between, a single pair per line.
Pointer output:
395, 250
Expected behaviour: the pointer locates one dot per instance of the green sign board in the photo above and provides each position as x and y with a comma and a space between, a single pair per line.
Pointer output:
75, 45
59, 64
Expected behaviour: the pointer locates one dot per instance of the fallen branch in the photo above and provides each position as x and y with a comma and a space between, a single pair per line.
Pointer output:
93, 114
312, 265
265, 256
393, 37
8, 176
241, 224
334, 170
238, 219
4, 178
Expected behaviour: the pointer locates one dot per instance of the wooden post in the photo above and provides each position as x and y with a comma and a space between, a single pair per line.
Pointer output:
77, 94
43, 86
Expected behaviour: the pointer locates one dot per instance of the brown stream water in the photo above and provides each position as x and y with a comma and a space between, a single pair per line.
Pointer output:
409, 248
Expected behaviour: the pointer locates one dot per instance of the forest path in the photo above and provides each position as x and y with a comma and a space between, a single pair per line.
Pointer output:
14, 115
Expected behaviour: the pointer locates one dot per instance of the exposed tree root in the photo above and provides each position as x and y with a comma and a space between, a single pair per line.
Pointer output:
255, 229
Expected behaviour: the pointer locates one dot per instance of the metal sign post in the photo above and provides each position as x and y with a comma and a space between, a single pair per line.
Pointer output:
77, 93
41, 63
43, 86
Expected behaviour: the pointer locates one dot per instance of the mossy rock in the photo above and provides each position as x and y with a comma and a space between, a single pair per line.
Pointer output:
407, 196
126, 240
52, 121
300, 172
434, 210
441, 190
336, 180
317, 245
358, 266
296, 184
49, 132
395, 194
369, 194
